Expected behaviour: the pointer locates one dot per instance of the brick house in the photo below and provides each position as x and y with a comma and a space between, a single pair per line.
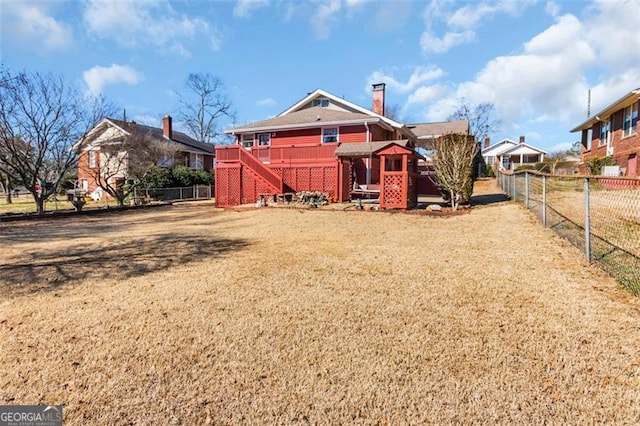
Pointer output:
613, 132
321, 143
184, 150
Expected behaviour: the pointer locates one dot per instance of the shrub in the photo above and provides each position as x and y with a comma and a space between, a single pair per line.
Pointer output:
596, 164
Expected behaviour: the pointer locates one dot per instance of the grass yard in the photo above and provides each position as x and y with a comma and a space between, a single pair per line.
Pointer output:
191, 315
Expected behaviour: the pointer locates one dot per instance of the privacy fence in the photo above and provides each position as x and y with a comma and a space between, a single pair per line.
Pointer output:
598, 214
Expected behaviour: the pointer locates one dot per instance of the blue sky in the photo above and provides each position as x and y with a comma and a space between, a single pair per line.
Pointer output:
534, 60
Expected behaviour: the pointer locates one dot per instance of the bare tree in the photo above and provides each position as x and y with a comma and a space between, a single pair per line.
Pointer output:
481, 117
393, 112
453, 163
124, 164
204, 106
41, 118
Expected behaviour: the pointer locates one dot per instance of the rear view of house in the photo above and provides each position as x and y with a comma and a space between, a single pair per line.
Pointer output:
614, 132
321, 143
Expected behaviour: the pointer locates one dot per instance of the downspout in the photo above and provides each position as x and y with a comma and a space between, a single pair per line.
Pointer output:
368, 139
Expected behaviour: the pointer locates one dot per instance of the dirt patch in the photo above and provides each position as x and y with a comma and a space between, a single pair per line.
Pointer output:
274, 316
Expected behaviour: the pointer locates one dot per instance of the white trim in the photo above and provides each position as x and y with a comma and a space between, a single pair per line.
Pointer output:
337, 100
306, 125
330, 127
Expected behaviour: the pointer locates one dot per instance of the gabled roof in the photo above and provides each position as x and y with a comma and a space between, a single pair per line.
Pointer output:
319, 93
628, 99
183, 142
366, 149
499, 147
435, 130
316, 116
301, 116
525, 148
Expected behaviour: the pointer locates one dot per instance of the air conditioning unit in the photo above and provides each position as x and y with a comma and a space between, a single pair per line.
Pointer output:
609, 150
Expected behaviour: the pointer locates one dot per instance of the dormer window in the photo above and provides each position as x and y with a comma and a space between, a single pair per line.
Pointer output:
322, 102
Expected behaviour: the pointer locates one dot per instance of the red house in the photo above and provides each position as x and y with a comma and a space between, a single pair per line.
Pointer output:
614, 132
322, 143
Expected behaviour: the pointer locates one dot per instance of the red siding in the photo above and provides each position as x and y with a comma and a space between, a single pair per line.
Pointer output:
353, 134
296, 137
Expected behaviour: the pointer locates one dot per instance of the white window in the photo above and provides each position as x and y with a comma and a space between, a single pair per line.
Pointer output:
605, 131
198, 162
264, 139
630, 125
85, 185
92, 159
589, 139
247, 141
330, 135
320, 102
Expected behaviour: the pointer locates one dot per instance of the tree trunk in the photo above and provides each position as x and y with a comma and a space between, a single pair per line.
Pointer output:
39, 205
7, 189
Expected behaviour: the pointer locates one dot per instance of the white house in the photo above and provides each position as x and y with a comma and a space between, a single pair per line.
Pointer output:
509, 155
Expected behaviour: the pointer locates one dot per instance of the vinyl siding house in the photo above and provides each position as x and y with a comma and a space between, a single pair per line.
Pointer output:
613, 131
184, 150
321, 143
509, 155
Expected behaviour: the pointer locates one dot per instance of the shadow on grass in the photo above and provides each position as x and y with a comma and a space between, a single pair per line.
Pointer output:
50, 270
486, 199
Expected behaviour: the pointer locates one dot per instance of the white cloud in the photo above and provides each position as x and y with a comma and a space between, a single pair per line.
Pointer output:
266, 102
431, 43
324, 18
98, 77
547, 76
552, 8
143, 22
244, 8
425, 94
419, 76
460, 24
31, 26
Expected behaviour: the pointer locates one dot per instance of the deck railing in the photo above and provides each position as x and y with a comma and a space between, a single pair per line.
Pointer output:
280, 154
233, 153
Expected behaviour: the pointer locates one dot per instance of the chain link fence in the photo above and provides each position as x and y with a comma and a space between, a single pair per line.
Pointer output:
196, 192
598, 214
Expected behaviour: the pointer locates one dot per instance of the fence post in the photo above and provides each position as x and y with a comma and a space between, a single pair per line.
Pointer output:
587, 220
514, 197
544, 201
181, 193
526, 189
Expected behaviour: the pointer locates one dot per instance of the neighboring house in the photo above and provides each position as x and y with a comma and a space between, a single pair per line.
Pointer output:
184, 150
321, 143
509, 155
614, 132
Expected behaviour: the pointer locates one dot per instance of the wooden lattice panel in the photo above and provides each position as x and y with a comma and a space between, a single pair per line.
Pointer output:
393, 191
303, 179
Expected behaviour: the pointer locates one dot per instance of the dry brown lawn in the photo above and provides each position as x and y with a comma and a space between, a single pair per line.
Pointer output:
192, 315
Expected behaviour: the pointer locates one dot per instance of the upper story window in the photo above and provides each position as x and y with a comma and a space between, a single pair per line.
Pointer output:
630, 123
264, 139
92, 159
330, 135
247, 140
605, 132
320, 102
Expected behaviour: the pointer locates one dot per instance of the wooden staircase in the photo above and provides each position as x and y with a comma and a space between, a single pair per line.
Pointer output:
260, 171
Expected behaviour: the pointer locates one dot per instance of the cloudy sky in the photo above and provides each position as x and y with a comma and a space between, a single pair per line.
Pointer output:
534, 60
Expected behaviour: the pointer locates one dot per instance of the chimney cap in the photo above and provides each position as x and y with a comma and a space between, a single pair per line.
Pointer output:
378, 86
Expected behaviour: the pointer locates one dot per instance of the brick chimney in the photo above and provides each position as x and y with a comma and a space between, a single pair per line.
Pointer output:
521, 139
487, 142
167, 130
378, 98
